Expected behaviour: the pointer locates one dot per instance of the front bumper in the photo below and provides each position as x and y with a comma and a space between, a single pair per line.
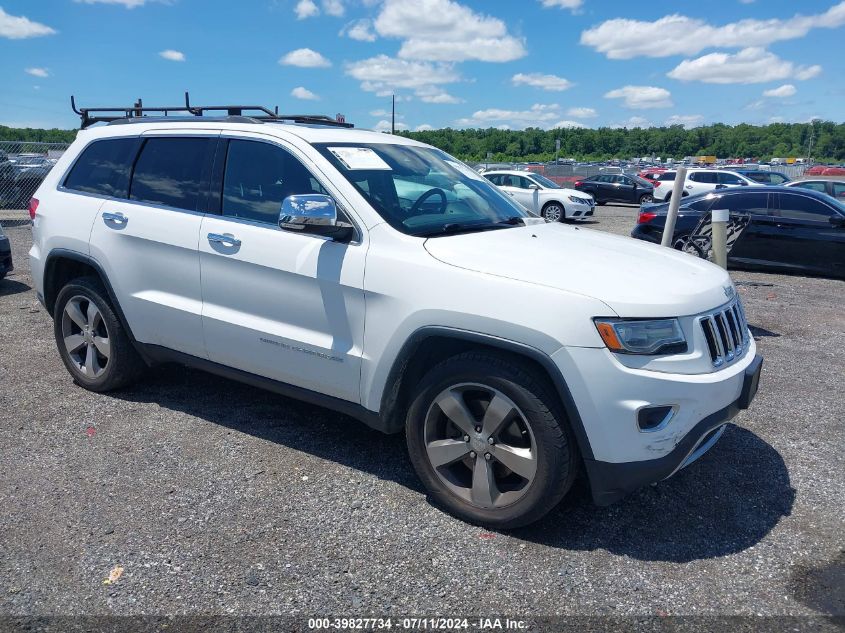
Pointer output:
619, 456
5, 256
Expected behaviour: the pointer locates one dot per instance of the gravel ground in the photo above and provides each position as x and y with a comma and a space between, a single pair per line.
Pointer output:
217, 498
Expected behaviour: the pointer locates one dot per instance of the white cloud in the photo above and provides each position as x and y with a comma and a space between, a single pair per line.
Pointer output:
305, 58
306, 9
384, 126
37, 72
582, 113
642, 97
334, 8
439, 97
385, 75
632, 122
568, 125
446, 31
361, 30
687, 120
539, 80
129, 4
380, 112
786, 90
425, 127
21, 27
748, 66
676, 34
173, 56
303, 93
572, 5
539, 115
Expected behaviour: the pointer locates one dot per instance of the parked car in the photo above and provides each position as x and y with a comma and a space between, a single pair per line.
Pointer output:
5, 254
514, 353
542, 196
834, 188
825, 170
699, 181
617, 188
763, 177
789, 229
20, 184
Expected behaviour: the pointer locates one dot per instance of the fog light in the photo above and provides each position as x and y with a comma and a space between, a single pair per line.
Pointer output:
651, 419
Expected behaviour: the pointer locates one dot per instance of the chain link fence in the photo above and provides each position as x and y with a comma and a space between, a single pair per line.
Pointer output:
23, 166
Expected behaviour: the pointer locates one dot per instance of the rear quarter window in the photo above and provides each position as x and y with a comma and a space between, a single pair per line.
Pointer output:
104, 167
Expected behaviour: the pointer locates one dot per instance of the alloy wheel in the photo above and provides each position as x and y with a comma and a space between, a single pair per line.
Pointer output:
86, 337
552, 213
480, 445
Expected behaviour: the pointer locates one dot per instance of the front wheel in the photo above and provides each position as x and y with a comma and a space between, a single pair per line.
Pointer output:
646, 198
490, 441
553, 212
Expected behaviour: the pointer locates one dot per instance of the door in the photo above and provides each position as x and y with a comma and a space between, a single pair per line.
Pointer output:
699, 182
727, 179
148, 242
624, 189
807, 239
279, 304
754, 243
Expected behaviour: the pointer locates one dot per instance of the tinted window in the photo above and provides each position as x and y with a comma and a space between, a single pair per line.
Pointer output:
103, 168
496, 179
703, 176
169, 172
755, 203
729, 179
777, 179
524, 183
815, 186
258, 177
797, 207
839, 190
669, 175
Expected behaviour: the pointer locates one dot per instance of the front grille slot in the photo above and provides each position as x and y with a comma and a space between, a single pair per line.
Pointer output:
726, 333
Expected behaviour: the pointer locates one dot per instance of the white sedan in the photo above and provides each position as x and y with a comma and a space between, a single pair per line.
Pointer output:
542, 196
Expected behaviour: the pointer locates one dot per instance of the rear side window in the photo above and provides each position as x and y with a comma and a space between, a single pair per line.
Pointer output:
729, 179
703, 176
797, 207
169, 172
103, 168
815, 186
667, 175
755, 203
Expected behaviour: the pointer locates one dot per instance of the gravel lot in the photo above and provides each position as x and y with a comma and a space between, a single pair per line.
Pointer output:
218, 498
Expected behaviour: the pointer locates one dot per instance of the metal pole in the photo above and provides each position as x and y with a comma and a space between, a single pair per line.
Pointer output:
393, 116
674, 203
719, 222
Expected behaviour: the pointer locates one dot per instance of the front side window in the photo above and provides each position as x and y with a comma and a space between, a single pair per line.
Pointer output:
798, 207
258, 177
103, 168
422, 190
729, 179
169, 171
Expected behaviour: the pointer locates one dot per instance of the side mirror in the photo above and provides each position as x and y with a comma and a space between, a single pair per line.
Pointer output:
838, 221
315, 214
534, 187
721, 186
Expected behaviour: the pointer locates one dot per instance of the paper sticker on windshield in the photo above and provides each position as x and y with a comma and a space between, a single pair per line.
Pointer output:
465, 170
359, 158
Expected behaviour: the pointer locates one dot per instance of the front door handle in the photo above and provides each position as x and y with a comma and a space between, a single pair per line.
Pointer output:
226, 239
117, 218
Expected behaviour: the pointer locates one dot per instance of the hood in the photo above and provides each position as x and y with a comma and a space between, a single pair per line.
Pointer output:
634, 278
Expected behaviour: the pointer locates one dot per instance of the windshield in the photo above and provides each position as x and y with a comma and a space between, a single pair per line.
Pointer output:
421, 190
642, 182
545, 182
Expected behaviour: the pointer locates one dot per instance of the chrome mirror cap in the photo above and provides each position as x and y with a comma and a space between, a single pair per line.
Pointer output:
307, 210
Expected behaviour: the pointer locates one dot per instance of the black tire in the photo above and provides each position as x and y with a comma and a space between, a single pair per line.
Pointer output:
557, 460
601, 203
646, 198
123, 365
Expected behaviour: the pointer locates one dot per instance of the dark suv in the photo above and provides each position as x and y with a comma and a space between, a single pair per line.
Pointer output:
617, 188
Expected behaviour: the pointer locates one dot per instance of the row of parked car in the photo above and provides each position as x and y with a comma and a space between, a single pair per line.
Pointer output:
20, 176
777, 224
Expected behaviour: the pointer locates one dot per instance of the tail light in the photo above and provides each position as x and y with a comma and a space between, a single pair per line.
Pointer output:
578, 183
645, 217
32, 208
656, 183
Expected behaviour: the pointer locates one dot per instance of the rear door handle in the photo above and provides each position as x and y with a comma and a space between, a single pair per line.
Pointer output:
226, 239
117, 218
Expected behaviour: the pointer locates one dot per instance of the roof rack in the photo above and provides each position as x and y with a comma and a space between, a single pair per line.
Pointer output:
138, 112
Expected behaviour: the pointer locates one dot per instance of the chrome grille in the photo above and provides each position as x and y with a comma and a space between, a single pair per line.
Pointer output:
726, 333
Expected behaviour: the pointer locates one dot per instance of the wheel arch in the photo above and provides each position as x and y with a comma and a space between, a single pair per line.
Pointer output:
556, 201
428, 346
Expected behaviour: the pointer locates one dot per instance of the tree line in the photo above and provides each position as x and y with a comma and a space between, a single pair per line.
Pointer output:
781, 140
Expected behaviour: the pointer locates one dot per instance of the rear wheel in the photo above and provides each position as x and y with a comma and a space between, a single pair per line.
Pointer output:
646, 198
92, 342
553, 212
489, 441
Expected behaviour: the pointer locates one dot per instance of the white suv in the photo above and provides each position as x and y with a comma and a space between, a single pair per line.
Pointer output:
384, 279
542, 196
699, 181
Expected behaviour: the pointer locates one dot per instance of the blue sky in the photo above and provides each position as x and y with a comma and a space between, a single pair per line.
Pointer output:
452, 63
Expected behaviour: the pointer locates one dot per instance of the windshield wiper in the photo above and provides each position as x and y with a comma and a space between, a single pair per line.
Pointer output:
516, 220
454, 228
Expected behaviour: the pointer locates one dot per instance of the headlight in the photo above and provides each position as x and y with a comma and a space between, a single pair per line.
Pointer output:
642, 336
577, 200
